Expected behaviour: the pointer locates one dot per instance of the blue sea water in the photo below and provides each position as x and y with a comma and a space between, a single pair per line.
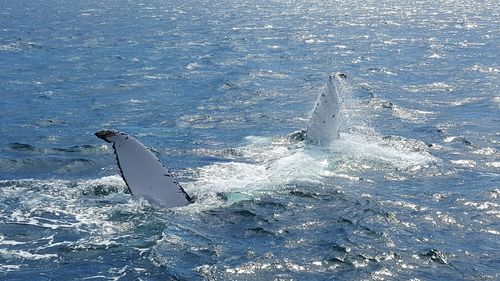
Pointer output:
410, 190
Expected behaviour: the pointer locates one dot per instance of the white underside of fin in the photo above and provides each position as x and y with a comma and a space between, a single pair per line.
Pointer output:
143, 172
323, 127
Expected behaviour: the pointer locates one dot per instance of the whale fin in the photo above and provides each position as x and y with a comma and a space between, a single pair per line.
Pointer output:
323, 127
143, 173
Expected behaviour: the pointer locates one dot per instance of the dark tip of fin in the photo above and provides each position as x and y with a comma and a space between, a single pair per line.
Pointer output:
104, 134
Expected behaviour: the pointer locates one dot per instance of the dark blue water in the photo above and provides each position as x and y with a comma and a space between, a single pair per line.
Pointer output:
410, 191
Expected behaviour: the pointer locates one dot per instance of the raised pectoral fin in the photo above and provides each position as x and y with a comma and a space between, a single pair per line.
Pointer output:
143, 172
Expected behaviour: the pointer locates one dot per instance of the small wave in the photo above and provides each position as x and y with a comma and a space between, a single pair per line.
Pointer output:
458, 139
486, 151
25, 255
411, 115
19, 46
485, 69
46, 165
437, 86
24, 147
493, 164
193, 66
4, 241
268, 74
435, 256
405, 114
464, 101
9, 267
464, 163
199, 121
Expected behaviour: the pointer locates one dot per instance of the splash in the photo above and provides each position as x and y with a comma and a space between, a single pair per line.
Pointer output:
339, 147
268, 166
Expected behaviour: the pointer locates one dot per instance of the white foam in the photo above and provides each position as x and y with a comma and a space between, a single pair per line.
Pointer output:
414, 116
397, 152
486, 151
62, 204
3, 241
20, 254
9, 267
464, 162
266, 166
493, 164
192, 66
271, 167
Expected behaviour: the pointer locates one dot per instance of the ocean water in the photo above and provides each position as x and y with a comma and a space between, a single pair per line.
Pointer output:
410, 190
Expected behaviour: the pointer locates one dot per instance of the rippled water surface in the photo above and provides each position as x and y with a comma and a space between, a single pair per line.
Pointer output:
410, 190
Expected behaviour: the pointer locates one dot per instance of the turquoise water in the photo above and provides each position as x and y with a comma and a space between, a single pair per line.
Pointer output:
410, 191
